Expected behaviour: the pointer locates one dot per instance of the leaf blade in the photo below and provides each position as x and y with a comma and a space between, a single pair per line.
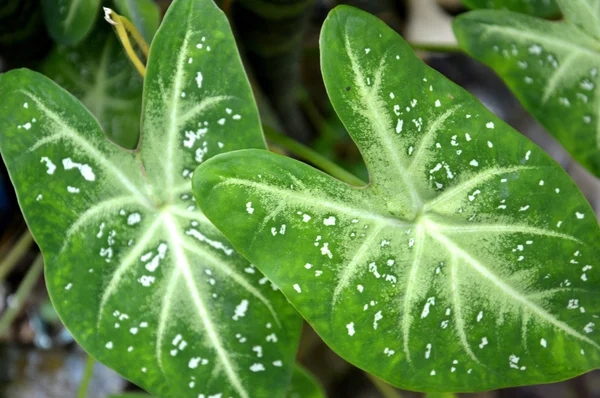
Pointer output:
71, 21
423, 304
550, 66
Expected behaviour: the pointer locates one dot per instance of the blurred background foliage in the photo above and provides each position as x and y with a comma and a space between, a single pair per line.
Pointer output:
279, 43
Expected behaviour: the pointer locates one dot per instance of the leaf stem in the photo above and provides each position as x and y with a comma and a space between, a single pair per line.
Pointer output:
436, 48
87, 376
23, 291
124, 28
304, 152
15, 254
384, 388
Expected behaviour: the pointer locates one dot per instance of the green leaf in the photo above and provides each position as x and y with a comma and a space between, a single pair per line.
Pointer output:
100, 75
143, 281
304, 385
552, 67
144, 14
584, 13
540, 8
469, 261
70, 21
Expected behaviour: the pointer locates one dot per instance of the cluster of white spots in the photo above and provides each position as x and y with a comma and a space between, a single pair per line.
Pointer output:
589, 328
109, 345
474, 163
199, 79
377, 318
50, 167
154, 262
430, 301
527, 155
524, 208
473, 195
428, 351
350, 328
215, 244
373, 270
192, 136
258, 350
325, 250
249, 208
535, 49
200, 46
257, 367
179, 343
484, 342
297, 288
360, 288
513, 362
71, 189
579, 215
85, 170
573, 304
389, 352
305, 217
438, 103
489, 125
194, 362
329, 221
240, 310
399, 126
146, 280
272, 338
134, 218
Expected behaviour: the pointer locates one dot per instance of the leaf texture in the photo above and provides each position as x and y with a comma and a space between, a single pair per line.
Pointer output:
469, 261
144, 282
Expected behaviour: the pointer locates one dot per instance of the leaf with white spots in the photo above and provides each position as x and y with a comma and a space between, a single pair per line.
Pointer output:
70, 21
143, 281
99, 74
552, 67
540, 8
451, 261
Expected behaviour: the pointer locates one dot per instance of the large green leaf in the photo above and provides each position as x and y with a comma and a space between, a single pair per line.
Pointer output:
70, 21
304, 385
552, 67
140, 277
100, 75
144, 14
541, 8
468, 262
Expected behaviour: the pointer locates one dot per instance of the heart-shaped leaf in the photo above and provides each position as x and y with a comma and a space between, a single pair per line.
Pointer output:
540, 8
469, 261
552, 67
70, 21
100, 75
139, 276
304, 385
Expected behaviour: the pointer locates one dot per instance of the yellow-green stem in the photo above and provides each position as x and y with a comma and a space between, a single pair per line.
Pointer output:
87, 376
318, 160
16, 253
21, 294
124, 28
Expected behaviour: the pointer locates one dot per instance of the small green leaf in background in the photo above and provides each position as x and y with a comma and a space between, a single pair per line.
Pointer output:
70, 21
552, 67
144, 14
304, 385
139, 276
470, 261
98, 72
540, 8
